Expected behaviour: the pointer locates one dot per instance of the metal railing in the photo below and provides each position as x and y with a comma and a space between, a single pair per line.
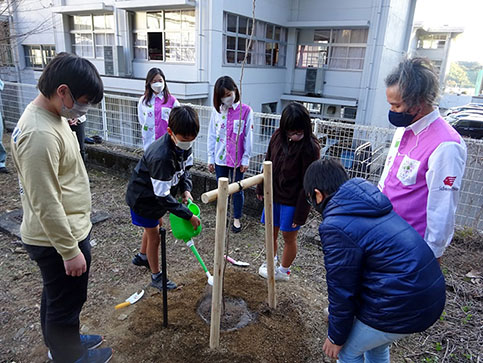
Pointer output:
361, 149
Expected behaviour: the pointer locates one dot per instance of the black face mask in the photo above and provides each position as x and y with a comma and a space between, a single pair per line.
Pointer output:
319, 207
400, 119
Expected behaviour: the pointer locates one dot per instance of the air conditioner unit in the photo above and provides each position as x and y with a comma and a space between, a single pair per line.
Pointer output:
114, 60
314, 81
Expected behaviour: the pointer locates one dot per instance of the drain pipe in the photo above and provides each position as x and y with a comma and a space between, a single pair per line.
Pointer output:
377, 26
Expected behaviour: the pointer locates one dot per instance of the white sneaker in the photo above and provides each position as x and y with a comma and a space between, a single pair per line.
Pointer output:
279, 275
262, 271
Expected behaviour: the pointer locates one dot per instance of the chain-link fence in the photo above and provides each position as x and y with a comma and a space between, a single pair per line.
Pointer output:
361, 149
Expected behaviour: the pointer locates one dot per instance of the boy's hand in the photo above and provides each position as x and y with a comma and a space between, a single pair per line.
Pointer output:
331, 350
195, 221
186, 196
260, 197
211, 168
75, 266
243, 168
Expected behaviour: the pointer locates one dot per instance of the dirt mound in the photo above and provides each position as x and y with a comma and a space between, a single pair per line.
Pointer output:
275, 335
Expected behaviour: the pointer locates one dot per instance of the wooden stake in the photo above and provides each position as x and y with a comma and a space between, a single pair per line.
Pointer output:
268, 203
233, 188
218, 264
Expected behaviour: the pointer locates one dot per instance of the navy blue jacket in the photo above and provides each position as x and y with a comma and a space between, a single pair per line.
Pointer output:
379, 269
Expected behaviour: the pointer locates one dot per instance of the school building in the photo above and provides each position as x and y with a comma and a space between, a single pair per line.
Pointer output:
331, 55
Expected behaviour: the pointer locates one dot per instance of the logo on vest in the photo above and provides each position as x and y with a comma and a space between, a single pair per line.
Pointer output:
449, 180
448, 184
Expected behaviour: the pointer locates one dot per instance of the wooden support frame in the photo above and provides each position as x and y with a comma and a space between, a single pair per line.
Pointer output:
222, 193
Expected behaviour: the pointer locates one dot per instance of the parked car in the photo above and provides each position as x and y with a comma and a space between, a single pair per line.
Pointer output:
468, 107
471, 126
456, 116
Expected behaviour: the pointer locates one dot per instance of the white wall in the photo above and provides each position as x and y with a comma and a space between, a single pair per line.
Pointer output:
330, 10
387, 49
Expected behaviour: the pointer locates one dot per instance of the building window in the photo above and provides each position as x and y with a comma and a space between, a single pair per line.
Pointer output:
432, 41
268, 46
337, 48
166, 35
90, 33
6, 57
38, 56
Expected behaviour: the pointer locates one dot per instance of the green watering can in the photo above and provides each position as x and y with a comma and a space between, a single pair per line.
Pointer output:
183, 229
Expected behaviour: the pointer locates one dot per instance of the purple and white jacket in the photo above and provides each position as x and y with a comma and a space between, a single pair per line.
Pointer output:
154, 116
222, 135
422, 178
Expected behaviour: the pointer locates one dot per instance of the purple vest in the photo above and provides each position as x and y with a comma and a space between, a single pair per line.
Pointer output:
232, 126
161, 115
406, 186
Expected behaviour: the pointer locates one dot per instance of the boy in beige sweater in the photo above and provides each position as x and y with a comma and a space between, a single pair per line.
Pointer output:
56, 202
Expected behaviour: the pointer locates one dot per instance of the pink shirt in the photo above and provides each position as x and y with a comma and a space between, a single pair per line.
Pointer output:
422, 178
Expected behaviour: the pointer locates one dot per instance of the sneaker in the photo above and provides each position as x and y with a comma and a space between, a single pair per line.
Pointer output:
4, 170
262, 271
158, 283
101, 355
281, 276
87, 342
138, 261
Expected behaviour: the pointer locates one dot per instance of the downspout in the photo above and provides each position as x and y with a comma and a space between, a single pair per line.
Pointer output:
409, 28
200, 42
371, 64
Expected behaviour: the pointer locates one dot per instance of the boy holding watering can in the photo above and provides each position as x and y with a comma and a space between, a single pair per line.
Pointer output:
161, 172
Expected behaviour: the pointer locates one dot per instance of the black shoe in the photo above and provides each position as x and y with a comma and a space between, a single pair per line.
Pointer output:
4, 170
236, 229
158, 283
138, 261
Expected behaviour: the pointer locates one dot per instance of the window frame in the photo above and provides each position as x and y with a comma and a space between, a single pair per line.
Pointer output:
184, 49
264, 44
328, 47
45, 59
95, 52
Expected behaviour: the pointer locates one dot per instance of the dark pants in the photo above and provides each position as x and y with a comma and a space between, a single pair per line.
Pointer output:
238, 197
62, 300
81, 135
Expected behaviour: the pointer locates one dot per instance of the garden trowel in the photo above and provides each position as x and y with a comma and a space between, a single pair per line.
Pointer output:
134, 298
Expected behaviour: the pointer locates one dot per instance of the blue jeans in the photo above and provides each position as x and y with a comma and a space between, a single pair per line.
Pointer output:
238, 198
3, 153
366, 344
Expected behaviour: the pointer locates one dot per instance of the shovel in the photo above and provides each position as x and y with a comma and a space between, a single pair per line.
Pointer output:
134, 298
236, 263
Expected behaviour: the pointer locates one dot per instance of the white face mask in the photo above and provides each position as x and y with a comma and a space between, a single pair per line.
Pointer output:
228, 101
184, 145
157, 87
77, 110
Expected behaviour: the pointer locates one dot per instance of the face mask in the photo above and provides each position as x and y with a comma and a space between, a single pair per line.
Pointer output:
228, 101
77, 110
182, 145
157, 87
400, 119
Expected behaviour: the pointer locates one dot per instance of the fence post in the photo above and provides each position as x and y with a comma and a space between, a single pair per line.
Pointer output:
104, 119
